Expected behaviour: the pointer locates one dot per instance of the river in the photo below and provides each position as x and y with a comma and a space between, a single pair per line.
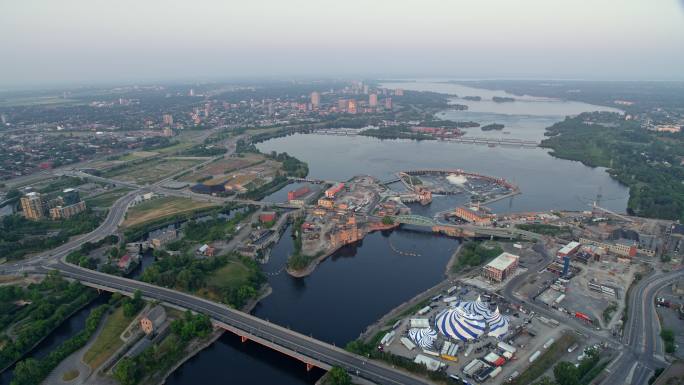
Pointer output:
360, 283
63, 332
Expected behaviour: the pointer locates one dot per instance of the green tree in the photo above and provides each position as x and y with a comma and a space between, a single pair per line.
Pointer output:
387, 221
338, 376
566, 374
126, 372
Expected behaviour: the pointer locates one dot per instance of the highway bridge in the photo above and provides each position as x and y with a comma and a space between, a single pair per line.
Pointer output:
466, 230
306, 349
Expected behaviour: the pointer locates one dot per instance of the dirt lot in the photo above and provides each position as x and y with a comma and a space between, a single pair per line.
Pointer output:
219, 170
160, 207
151, 171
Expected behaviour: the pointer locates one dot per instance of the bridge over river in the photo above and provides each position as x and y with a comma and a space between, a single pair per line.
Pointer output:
466, 230
304, 348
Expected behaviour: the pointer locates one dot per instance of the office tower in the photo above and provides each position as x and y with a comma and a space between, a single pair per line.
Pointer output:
315, 100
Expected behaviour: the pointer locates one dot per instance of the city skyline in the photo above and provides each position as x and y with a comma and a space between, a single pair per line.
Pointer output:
97, 42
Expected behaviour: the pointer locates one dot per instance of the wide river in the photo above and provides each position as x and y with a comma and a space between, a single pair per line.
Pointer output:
357, 285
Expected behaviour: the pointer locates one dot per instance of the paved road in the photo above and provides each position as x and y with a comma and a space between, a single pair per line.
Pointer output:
641, 348
296, 342
108, 226
642, 333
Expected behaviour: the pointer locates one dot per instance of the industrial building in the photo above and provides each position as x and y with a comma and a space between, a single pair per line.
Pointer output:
501, 267
474, 215
331, 192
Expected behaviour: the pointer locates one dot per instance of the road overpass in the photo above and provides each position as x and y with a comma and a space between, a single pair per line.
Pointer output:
309, 350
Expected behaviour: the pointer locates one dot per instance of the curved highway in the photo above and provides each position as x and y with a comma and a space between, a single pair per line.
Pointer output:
291, 340
109, 226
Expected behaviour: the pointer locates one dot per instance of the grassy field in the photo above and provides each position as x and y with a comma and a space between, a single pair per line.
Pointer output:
161, 207
151, 171
135, 155
233, 275
108, 341
106, 199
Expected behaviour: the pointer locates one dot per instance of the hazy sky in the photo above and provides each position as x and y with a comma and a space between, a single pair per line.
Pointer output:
56, 41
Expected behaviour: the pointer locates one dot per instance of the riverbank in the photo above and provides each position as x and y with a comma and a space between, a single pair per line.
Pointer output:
309, 269
414, 303
196, 347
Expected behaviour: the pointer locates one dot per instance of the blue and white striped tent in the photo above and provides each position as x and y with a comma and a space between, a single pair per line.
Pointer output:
468, 320
423, 337
498, 324
476, 307
459, 324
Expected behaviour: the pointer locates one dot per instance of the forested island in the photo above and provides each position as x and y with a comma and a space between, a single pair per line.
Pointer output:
458, 107
492, 127
473, 98
502, 99
650, 163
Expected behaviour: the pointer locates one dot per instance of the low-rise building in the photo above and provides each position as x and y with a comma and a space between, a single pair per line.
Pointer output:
267, 216
65, 212
501, 267
474, 215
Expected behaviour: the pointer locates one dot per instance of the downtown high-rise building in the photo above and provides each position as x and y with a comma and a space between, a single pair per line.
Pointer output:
315, 100
167, 119
373, 100
351, 107
388, 103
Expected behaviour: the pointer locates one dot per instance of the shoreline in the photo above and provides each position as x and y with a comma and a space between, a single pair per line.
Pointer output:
309, 269
381, 323
200, 346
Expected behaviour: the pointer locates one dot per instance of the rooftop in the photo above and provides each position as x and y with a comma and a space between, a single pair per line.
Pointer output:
503, 261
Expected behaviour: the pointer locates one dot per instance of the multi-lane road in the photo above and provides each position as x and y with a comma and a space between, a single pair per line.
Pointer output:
641, 348
296, 343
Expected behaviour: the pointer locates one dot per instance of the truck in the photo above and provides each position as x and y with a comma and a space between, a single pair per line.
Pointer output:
491, 358
572, 348
407, 343
474, 366
452, 290
495, 372
387, 338
548, 343
468, 350
534, 356
506, 347
424, 310
513, 376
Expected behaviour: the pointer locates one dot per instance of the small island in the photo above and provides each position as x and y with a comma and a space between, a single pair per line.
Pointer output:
502, 99
473, 98
492, 127
459, 107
